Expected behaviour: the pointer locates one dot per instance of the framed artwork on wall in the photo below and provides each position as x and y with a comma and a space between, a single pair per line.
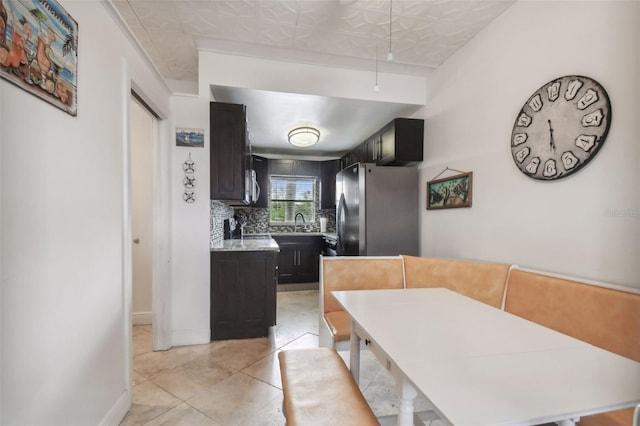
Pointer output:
189, 137
39, 50
450, 192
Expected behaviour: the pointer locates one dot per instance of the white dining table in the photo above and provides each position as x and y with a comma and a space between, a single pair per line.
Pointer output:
478, 365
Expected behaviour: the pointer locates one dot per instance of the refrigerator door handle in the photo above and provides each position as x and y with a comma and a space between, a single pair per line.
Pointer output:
340, 225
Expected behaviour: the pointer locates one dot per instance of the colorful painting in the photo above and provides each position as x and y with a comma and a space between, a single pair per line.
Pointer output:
451, 192
189, 137
39, 50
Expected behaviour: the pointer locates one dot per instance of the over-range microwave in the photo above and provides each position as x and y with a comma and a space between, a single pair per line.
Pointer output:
252, 189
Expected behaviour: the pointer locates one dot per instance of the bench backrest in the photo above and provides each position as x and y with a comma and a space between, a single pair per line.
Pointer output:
605, 317
484, 282
358, 273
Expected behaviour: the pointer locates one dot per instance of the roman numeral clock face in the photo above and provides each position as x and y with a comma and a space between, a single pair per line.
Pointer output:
561, 127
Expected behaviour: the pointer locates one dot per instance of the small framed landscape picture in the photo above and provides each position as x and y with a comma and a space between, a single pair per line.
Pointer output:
189, 137
451, 192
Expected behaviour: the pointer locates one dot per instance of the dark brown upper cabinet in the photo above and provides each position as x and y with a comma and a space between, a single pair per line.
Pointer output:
401, 142
294, 168
328, 171
230, 153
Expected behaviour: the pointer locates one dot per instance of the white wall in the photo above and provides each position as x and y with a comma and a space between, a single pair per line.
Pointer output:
586, 225
64, 237
274, 75
190, 248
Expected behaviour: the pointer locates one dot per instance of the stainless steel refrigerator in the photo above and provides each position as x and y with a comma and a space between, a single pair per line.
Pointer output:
377, 210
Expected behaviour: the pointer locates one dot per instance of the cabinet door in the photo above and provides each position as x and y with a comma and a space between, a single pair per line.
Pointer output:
373, 148
282, 167
409, 135
307, 168
287, 262
345, 161
243, 299
228, 153
257, 273
308, 260
261, 166
359, 154
401, 142
299, 257
328, 171
225, 294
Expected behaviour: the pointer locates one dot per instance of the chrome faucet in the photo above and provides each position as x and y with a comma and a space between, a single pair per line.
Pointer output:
295, 221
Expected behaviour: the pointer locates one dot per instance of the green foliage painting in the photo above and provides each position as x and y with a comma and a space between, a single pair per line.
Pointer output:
451, 192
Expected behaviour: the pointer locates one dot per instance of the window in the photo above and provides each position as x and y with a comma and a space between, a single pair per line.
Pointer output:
291, 195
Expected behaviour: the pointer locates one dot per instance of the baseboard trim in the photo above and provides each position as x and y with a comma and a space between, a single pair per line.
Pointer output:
117, 412
298, 286
191, 337
141, 318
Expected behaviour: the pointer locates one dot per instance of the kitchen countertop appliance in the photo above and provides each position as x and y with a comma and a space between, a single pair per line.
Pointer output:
377, 210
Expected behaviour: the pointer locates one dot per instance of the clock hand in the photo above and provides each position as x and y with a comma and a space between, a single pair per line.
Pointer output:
552, 145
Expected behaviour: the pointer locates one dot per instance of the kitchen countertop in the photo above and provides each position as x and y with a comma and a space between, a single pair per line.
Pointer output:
265, 242
293, 234
249, 244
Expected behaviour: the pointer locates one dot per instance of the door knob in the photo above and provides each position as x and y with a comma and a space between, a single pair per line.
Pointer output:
136, 241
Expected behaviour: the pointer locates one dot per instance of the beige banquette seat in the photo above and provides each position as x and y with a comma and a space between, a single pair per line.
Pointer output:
351, 273
318, 390
604, 316
481, 281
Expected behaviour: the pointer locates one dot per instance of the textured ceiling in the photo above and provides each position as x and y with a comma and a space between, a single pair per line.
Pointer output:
346, 33
423, 33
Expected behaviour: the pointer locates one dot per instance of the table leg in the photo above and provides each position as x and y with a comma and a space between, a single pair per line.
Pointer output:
406, 394
354, 355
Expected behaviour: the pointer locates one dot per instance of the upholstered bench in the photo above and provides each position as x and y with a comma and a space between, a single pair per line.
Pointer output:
351, 273
482, 281
604, 316
318, 390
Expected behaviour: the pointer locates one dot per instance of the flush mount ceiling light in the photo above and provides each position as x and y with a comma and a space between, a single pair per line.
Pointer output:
304, 136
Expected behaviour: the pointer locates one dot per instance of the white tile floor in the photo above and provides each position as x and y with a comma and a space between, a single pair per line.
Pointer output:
236, 382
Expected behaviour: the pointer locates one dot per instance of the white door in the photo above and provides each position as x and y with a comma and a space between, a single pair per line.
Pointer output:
141, 215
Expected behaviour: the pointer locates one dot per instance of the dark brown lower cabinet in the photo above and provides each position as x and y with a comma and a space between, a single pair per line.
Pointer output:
299, 258
243, 294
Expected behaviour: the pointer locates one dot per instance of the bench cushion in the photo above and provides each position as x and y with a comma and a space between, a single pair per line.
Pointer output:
319, 390
481, 281
613, 418
339, 325
358, 273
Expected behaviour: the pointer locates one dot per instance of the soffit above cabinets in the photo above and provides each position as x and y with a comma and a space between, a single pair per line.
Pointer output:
342, 123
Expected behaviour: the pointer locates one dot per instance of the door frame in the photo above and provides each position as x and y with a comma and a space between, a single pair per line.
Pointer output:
161, 217
160, 162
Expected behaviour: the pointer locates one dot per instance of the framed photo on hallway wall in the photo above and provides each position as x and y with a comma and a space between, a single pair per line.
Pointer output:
450, 192
39, 50
189, 137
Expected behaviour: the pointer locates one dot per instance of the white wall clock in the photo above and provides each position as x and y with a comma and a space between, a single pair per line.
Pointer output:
561, 127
